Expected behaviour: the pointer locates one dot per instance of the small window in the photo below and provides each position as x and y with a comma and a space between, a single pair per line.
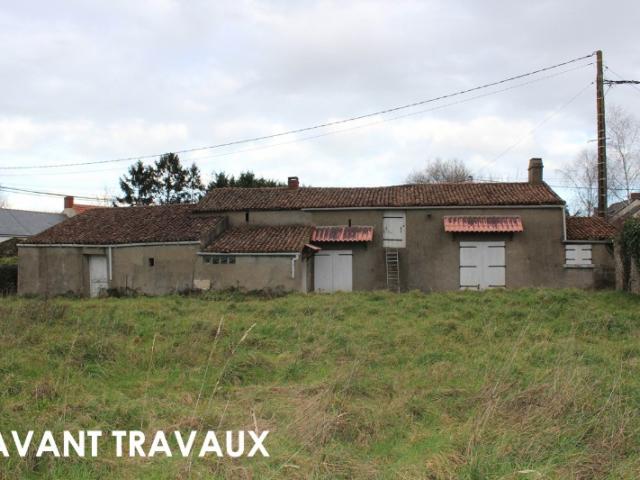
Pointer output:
578, 255
349, 222
206, 259
152, 261
220, 259
246, 217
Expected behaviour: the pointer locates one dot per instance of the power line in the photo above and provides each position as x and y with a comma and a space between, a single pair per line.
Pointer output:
26, 191
631, 83
541, 123
398, 117
334, 132
315, 127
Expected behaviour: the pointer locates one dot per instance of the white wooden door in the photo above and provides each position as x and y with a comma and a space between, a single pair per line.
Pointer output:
323, 272
333, 271
482, 265
394, 230
98, 278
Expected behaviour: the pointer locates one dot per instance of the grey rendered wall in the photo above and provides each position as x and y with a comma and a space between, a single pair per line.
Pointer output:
601, 275
251, 273
283, 217
57, 270
430, 261
172, 271
62, 270
52, 271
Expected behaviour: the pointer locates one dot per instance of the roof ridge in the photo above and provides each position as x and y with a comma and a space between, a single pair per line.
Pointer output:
285, 188
30, 211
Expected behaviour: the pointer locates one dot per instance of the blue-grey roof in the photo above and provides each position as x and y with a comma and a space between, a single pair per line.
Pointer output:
22, 223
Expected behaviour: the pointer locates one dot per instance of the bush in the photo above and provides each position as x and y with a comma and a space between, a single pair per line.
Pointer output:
8, 279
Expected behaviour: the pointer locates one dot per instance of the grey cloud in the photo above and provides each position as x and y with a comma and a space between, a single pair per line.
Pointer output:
95, 81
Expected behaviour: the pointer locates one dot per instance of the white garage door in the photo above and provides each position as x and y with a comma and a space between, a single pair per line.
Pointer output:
482, 265
332, 271
98, 279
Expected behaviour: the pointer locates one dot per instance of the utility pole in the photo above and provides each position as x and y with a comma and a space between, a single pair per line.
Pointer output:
602, 139
602, 132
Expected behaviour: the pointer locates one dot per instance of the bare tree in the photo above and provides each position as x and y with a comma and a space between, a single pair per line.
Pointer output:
623, 152
623, 164
441, 171
582, 174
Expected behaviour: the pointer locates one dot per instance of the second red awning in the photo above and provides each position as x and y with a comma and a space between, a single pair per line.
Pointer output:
342, 234
483, 224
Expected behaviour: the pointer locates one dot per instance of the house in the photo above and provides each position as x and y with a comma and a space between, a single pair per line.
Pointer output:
428, 237
22, 224
621, 211
627, 272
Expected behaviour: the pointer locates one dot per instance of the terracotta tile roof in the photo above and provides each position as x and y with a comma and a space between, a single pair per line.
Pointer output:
483, 224
589, 228
106, 226
267, 239
342, 234
443, 194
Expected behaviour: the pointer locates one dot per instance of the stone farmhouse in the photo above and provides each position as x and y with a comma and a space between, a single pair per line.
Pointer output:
431, 237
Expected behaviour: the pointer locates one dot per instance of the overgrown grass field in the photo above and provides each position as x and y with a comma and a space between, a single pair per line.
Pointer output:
524, 384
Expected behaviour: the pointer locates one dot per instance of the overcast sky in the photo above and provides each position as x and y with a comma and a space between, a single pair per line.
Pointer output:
88, 81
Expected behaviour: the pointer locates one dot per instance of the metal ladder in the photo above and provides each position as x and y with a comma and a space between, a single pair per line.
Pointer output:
392, 260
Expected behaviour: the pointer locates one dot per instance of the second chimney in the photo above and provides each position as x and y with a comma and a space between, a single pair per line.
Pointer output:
293, 182
535, 170
68, 201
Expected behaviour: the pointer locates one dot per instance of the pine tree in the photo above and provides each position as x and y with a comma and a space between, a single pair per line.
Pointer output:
139, 186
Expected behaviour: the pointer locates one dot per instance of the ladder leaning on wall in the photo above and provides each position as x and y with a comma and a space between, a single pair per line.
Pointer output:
392, 261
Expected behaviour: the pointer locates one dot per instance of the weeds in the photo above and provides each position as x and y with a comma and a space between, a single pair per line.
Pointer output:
524, 384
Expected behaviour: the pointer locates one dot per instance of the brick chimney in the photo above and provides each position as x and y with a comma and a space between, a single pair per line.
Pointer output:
293, 182
535, 170
634, 196
68, 202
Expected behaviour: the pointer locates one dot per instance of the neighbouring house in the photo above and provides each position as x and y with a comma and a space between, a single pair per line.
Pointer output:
431, 237
22, 224
621, 211
627, 272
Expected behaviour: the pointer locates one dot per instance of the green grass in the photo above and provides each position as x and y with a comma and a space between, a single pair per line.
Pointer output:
511, 385
8, 260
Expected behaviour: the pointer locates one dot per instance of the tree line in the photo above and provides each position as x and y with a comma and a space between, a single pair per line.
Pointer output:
167, 181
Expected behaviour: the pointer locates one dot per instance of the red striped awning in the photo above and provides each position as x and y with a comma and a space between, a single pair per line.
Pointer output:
483, 224
342, 234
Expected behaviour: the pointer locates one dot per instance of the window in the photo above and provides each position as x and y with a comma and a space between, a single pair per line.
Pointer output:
246, 217
220, 259
152, 261
578, 255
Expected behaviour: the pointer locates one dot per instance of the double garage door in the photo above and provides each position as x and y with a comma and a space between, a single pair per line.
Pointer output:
333, 271
482, 265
